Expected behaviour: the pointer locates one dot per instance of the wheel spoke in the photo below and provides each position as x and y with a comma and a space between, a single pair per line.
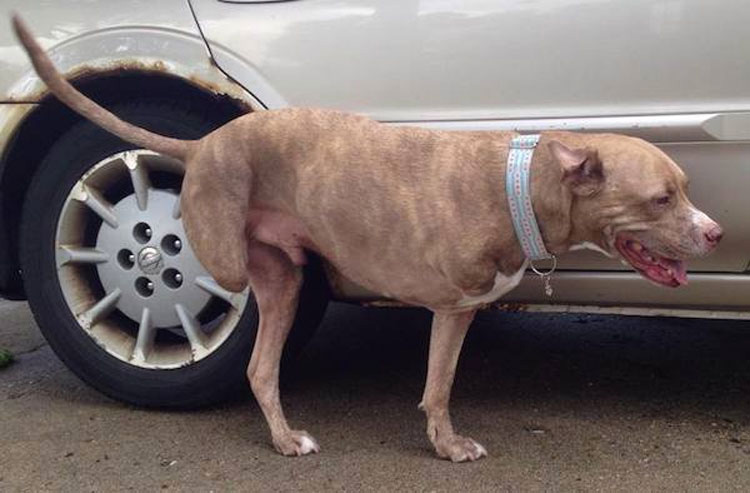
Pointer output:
144, 343
101, 309
81, 255
192, 328
97, 203
176, 211
139, 178
210, 286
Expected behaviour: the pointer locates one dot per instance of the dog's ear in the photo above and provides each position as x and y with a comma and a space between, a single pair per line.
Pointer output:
582, 169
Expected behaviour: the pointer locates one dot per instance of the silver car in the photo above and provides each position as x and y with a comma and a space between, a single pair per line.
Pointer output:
90, 231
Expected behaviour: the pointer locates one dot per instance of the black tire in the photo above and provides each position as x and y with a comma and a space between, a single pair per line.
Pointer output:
206, 381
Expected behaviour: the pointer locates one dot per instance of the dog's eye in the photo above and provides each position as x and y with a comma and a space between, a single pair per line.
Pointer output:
663, 200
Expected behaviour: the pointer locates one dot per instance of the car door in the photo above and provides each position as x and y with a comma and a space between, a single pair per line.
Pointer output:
672, 71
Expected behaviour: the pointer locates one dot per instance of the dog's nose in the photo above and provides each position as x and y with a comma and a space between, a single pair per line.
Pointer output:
714, 235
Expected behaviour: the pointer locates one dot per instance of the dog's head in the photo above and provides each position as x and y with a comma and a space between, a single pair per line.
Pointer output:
630, 200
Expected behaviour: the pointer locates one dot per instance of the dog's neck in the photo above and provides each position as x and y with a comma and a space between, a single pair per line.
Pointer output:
551, 199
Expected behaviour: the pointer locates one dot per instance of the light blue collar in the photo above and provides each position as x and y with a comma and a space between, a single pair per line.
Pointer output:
518, 190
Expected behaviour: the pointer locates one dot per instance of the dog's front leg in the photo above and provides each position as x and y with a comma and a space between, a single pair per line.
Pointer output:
446, 339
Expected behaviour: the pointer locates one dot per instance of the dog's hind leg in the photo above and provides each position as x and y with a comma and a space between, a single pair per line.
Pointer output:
276, 283
446, 339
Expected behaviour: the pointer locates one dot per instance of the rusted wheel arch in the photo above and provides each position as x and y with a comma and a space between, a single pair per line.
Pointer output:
49, 119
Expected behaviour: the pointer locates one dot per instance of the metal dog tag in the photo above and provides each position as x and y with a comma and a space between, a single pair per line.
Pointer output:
546, 276
547, 285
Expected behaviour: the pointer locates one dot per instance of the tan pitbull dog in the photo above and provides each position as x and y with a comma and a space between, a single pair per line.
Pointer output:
417, 215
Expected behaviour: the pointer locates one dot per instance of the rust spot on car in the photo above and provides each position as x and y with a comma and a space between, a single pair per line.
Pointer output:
219, 91
224, 89
211, 86
511, 307
159, 66
83, 72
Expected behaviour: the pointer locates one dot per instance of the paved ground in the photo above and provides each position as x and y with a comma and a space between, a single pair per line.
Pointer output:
560, 402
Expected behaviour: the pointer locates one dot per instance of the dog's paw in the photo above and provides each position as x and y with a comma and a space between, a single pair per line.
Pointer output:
460, 449
296, 443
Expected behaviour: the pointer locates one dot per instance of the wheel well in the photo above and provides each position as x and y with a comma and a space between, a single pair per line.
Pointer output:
43, 125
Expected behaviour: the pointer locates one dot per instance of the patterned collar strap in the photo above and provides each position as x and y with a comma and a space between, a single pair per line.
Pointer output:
518, 190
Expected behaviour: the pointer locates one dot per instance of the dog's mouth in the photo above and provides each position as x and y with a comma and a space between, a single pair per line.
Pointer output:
654, 267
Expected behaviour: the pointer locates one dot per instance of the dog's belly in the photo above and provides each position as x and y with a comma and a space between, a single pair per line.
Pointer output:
408, 278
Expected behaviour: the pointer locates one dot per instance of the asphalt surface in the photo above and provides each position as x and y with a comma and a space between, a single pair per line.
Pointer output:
561, 403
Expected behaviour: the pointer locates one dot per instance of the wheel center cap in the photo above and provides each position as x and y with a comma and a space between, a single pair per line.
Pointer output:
150, 260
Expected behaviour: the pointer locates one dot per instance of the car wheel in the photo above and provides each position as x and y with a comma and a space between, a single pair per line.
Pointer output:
113, 283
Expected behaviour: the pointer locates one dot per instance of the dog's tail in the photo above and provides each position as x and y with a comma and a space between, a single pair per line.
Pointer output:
89, 109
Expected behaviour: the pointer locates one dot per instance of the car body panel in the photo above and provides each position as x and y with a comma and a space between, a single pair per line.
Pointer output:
493, 59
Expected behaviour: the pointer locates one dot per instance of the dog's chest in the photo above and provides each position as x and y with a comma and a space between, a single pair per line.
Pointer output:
503, 284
